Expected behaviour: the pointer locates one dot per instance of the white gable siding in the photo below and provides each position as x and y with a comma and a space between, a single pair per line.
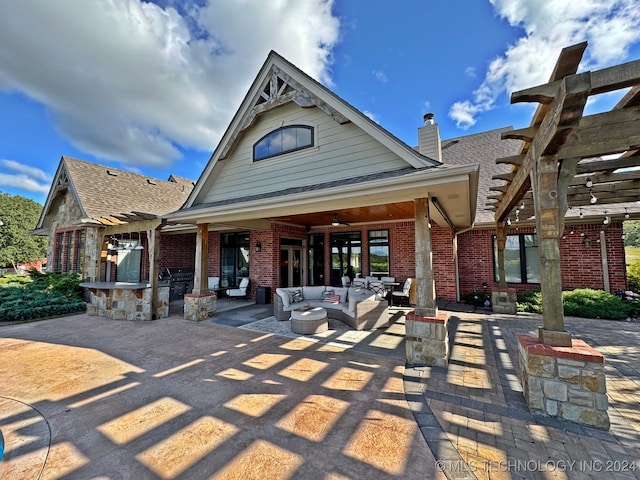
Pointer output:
340, 151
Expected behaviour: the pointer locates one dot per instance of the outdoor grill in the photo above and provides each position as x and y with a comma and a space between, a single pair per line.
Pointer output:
180, 281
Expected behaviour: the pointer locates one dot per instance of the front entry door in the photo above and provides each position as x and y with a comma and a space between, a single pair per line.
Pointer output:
290, 266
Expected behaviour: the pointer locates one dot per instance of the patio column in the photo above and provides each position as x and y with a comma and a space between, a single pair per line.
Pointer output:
159, 294
200, 281
200, 303
425, 283
427, 338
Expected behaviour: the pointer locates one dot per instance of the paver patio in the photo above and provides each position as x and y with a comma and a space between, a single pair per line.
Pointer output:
87, 397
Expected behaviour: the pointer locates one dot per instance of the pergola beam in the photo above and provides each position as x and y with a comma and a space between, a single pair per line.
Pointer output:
602, 81
560, 122
564, 131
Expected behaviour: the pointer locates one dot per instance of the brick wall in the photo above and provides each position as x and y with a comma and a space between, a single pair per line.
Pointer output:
177, 251
581, 267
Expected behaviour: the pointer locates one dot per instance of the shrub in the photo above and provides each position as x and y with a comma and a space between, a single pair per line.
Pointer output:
41, 296
633, 277
530, 302
588, 303
477, 299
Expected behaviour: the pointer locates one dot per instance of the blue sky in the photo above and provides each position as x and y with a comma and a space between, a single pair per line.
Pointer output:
151, 87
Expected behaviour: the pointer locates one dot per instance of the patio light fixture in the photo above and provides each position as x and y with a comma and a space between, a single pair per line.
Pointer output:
258, 247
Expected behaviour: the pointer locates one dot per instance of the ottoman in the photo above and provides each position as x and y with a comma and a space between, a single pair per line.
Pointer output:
309, 320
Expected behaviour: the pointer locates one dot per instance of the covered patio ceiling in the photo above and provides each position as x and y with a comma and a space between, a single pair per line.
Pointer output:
350, 216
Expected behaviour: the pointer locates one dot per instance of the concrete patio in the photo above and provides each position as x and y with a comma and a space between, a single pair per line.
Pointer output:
87, 397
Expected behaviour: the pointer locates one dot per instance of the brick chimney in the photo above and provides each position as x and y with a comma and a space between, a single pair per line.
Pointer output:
429, 138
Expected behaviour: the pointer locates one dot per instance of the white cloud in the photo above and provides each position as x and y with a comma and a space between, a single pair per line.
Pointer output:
372, 116
27, 178
23, 182
33, 172
128, 80
610, 27
380, 76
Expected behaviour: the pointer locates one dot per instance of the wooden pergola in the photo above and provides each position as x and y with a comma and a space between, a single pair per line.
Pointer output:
560, 166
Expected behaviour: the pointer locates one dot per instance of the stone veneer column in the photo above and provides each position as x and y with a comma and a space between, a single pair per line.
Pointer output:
427, 338
504, 301
564, 382
198, 307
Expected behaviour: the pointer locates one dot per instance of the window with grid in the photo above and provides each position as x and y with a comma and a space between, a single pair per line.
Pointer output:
283, 140
379, 252
69, 251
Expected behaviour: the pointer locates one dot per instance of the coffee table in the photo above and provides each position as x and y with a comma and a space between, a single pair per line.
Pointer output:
309, 320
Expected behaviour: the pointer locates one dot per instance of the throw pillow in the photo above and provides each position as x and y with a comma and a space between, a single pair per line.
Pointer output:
332, 299
296, 296
327, 293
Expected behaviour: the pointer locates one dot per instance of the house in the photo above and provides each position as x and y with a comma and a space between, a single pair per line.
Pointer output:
301, 188
102, 222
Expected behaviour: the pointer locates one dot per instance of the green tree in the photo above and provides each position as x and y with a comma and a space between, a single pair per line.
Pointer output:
19, 215
631, 229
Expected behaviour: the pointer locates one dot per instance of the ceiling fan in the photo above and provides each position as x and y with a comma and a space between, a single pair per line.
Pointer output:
336, 222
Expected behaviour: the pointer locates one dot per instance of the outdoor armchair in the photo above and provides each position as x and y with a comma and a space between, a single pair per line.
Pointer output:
402, 294
240, 292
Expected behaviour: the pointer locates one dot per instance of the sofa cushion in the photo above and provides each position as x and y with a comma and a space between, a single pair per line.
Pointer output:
313, 292
352, 304
284, 295
297, 296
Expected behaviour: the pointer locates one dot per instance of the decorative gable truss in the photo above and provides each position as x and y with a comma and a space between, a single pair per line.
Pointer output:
279, 89
62, 181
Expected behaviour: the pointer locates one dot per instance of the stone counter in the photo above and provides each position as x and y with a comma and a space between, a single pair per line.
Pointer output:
126, 301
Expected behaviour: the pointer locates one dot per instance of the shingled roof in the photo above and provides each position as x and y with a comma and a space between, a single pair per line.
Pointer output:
483, 148
103, 191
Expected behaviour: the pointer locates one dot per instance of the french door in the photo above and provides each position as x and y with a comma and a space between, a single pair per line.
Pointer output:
290, 266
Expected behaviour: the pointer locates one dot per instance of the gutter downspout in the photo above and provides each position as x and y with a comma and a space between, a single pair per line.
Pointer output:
605, 262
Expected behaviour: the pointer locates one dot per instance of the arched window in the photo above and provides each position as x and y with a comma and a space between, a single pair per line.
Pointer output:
283, 140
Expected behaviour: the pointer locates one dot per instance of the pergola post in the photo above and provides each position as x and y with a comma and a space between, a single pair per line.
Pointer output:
544, 179
559, 138
503, 299
427, 338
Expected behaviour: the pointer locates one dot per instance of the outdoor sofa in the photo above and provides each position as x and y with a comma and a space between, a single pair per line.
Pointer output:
359, 308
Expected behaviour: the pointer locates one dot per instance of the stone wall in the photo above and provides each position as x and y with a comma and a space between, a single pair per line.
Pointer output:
564, 382
67, 216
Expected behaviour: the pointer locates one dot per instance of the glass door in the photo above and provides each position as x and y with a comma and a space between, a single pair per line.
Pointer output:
346, 256
290, 266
